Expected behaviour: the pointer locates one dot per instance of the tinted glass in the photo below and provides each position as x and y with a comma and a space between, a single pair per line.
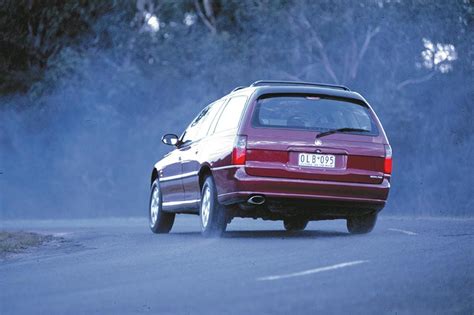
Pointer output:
200, 125
230, 117
314, 113
207, 121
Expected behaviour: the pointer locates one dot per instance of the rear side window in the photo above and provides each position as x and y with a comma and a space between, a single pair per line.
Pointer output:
312, 113
230, 117
200, 125
206, 123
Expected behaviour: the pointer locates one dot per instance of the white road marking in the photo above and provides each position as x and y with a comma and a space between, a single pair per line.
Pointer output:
311, 271
403, 231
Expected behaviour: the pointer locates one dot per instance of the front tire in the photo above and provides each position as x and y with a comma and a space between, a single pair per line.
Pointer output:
295, 224
212, 214
361, 224
160, 221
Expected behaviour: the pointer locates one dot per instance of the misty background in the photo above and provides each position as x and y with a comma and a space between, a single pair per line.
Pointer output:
87, 89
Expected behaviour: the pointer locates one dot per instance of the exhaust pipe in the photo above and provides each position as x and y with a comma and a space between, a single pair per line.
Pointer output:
256, 200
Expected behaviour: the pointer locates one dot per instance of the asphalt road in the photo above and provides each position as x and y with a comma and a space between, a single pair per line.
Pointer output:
405, 266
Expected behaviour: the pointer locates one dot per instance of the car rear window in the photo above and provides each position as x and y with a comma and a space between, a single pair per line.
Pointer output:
312, 113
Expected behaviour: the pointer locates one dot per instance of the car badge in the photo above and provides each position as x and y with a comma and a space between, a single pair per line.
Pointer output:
318, 142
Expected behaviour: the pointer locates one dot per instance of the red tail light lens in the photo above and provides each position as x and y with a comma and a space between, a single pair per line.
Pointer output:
239, 153
387, 165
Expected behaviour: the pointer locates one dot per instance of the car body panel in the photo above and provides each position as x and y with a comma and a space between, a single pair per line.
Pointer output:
191, 166
236, 185
170, 171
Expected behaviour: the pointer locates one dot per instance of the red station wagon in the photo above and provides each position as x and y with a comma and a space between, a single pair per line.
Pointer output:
276, 150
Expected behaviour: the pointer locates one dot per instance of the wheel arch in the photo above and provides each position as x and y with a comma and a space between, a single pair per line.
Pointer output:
203, 173
154, 175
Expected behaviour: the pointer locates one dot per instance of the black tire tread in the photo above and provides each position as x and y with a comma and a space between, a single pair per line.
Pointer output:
361, 224
217, 218
295, 224
165, 220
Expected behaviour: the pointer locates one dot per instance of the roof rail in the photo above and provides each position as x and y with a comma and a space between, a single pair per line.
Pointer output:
275, 82
238, 88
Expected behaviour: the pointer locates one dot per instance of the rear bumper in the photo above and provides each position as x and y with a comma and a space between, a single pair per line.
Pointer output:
236, 186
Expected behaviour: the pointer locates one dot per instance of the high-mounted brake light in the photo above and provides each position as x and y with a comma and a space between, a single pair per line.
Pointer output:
387, 165
239, 153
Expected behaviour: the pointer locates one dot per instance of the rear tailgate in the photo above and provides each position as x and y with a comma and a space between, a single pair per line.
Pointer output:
357, 159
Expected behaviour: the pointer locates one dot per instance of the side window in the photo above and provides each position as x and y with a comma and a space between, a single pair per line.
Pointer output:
200, 125
230, 117
207, 121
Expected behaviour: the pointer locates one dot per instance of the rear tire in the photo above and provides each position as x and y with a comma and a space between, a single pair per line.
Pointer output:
361, 224
295, 224
212, 214
160, 221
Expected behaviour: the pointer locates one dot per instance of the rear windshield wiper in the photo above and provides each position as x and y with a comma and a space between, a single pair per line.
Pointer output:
330, 132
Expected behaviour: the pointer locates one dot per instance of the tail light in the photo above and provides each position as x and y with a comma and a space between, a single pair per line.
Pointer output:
239, 153
387, 165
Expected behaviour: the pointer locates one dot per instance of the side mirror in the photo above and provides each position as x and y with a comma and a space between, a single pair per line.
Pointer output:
170, 139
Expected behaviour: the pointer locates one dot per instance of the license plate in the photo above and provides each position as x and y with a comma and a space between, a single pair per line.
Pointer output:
317, 160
